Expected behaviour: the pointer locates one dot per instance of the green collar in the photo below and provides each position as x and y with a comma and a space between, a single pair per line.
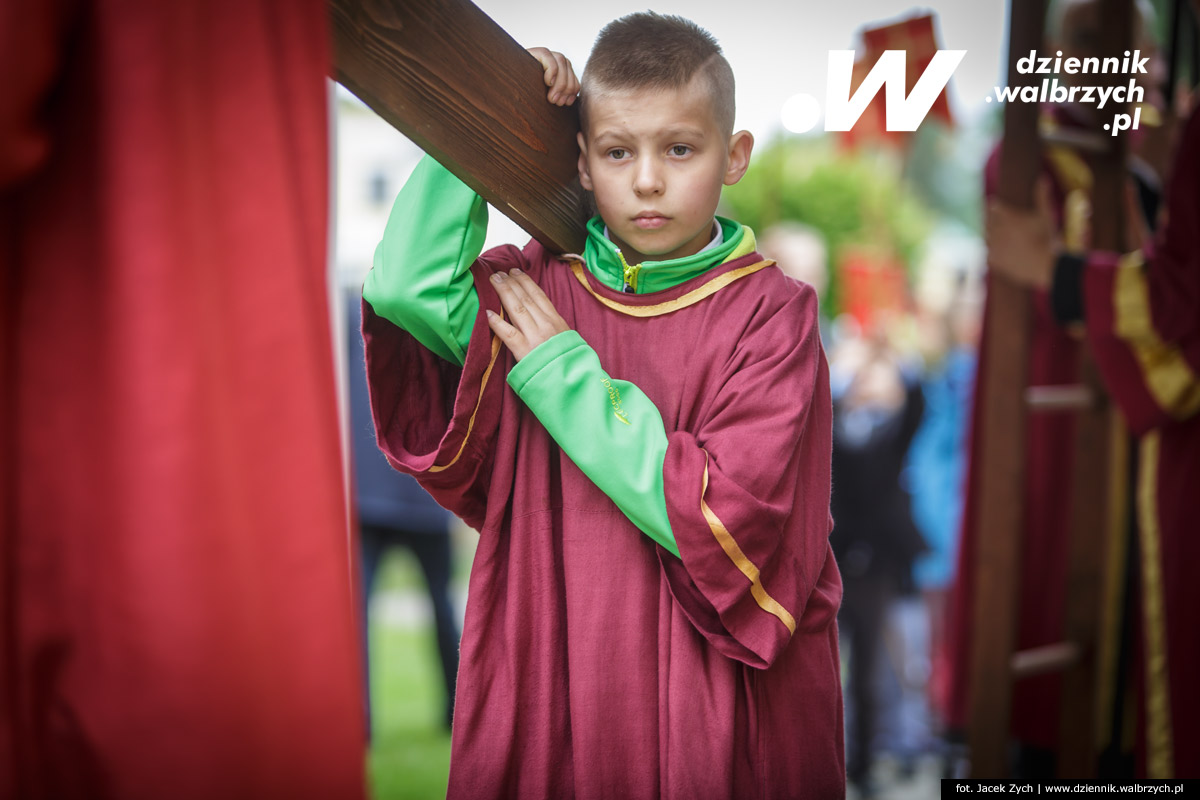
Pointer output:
607, 263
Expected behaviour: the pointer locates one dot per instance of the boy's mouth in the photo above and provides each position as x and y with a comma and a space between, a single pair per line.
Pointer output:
650, 220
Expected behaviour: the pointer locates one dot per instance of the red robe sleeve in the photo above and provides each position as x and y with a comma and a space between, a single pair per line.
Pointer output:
1143, 309
747, 492
449, 447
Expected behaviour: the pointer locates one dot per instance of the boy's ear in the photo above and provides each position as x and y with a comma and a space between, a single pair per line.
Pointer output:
740, 145
585, 179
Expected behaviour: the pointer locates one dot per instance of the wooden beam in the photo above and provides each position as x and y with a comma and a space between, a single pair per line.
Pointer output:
1090, 472
1045, 659
449, 78
1002, 488
1075, 397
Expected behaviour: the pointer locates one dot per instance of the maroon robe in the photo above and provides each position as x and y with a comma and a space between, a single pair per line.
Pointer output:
594, 663
1145, 335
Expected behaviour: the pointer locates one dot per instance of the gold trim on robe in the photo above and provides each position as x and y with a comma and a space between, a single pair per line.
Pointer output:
731, 548
1159, 741
1114, 583
478, 401
1075, 179
1171, 381
694, 296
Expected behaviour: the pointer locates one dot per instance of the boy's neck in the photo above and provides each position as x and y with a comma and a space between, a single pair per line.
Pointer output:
698, 245
610, 265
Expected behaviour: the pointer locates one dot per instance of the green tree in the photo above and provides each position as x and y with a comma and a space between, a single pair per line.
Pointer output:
852, 199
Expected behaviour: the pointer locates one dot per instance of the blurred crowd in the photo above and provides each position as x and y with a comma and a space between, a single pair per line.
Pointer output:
901, 380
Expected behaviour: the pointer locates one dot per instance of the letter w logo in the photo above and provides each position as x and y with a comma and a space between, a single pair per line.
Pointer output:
901, 113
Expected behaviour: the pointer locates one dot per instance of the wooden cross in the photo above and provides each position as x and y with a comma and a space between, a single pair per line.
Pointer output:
449, 78
995, 662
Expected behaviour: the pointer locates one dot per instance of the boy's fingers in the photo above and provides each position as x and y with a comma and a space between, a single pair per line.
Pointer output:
507, 333
572, 89
533, 293
558, 75
562, 74
546, 59
533, 317
568, 83
572, 79
514, 299
552, 69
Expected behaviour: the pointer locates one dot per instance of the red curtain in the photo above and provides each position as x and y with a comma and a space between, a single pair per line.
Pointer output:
176, 609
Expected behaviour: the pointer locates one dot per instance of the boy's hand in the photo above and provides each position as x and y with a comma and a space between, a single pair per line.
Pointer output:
533, 316
559, 76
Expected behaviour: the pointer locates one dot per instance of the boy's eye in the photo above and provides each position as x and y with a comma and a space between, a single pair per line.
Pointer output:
617, 153
680, 150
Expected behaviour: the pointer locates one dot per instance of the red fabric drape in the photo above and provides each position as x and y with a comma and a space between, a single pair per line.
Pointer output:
176, 615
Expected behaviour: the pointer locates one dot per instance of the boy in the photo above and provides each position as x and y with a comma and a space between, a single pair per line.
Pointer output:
562, 405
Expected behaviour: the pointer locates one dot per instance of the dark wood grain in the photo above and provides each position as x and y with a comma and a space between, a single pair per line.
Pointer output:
449, 78
1094, 523
1002, 495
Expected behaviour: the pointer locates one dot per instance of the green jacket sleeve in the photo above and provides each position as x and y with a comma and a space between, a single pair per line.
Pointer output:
421, 279
609, 428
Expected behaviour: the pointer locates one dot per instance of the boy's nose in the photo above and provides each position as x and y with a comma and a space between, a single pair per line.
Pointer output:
648, 178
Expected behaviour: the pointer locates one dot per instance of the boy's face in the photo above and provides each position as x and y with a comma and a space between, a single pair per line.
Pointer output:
656, 160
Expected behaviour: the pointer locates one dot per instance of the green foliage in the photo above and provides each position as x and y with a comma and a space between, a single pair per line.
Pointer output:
399, 571
853, 200
410, 746
944, 170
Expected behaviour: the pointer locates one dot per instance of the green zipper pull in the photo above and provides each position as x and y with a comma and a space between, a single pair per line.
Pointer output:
630, 274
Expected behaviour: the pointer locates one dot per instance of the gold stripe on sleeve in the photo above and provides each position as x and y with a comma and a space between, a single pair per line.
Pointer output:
694, 296
1075, 178
1114, 583
1171, 381
479, 400
1159, 744
764, 600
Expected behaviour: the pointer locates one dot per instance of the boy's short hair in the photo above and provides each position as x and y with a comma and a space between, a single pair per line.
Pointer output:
649, 50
